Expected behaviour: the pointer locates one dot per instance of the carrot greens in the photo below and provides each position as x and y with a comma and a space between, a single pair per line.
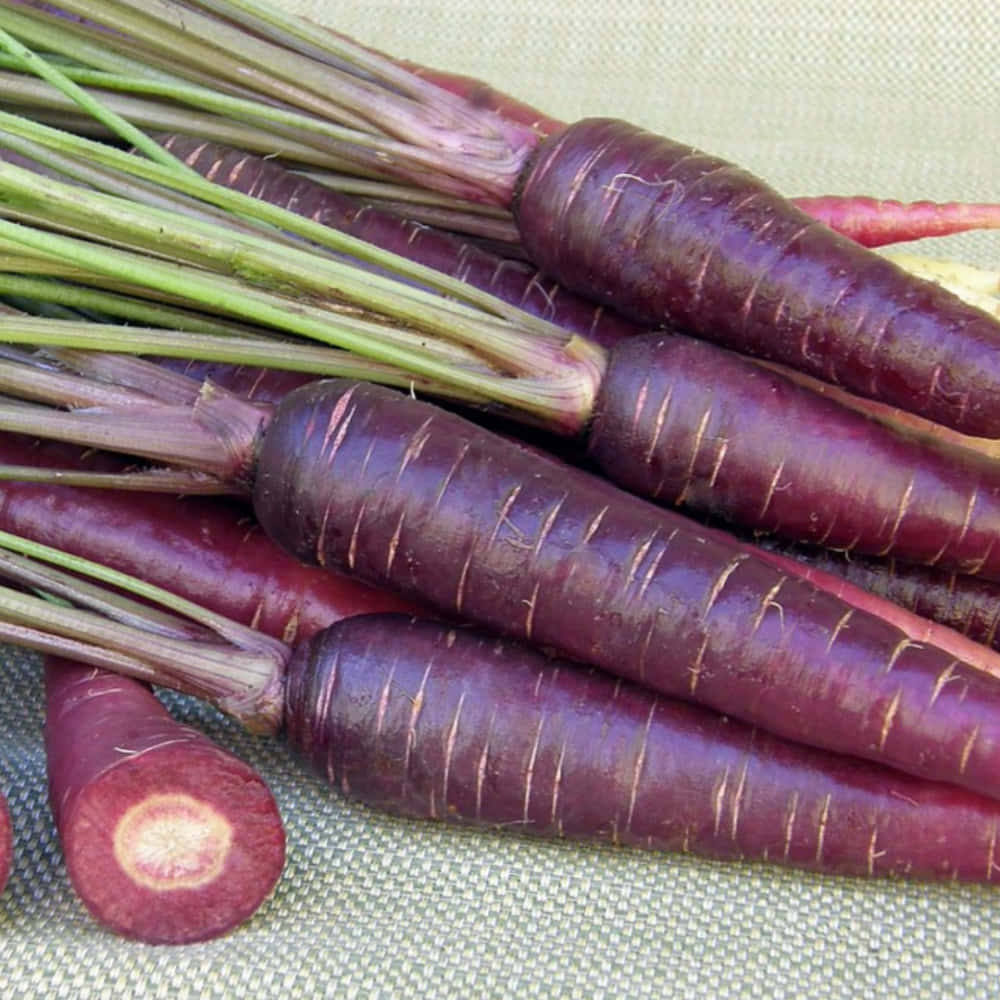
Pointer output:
204, 653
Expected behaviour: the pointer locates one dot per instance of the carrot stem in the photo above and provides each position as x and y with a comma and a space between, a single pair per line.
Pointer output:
49, 72
229, 349
562, 396
243, 205
235, 667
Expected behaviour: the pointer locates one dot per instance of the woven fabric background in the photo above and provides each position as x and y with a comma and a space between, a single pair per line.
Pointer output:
865, 95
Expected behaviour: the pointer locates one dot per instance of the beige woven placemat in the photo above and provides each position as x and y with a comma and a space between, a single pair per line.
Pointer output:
890, 98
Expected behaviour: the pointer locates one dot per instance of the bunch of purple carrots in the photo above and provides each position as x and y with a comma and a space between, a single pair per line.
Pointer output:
559, 478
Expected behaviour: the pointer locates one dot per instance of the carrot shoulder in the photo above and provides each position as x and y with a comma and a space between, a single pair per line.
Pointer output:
872, 222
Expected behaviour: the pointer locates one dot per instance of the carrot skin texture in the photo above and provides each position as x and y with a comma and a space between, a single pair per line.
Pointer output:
967, 604
207, 548
413, 718
402, 493
665, 233
190, 560
688, 424
117, 761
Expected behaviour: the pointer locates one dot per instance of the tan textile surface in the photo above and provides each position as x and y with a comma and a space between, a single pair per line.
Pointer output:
894, 99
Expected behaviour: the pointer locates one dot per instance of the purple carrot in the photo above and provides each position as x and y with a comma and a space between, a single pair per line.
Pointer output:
914, 598
685, 423
167, 837
787, 769
358, 477
433, 721
406, 495
187, 547
665, 232
689, 423
455, 725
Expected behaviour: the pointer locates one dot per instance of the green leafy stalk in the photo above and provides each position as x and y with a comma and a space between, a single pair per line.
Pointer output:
332, 48
366, 150
119, 126
80, 43
189, 648
255, 351
143, 312
246, 206
132, 406
158, 116
433, 136
561, 396
256, 259
163, 433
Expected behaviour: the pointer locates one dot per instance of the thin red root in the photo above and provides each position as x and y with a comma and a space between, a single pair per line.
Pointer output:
875, 222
